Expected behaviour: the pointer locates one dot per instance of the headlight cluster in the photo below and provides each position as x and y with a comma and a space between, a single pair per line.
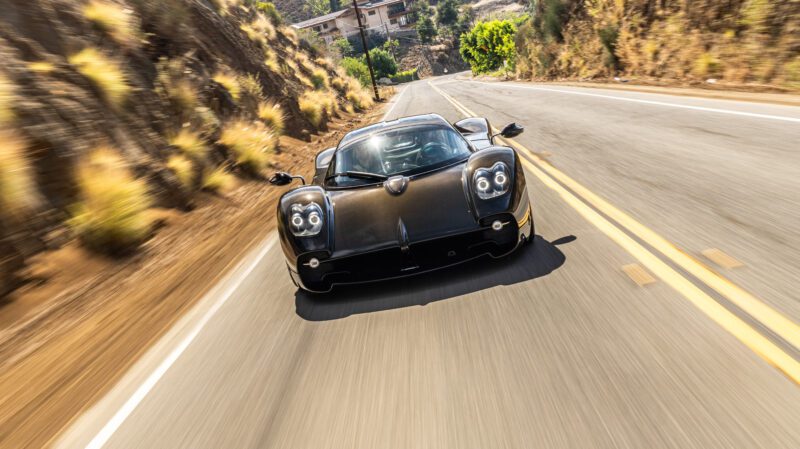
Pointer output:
491, 182
305, 220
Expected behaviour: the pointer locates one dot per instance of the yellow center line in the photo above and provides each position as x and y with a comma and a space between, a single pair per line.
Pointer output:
719, 314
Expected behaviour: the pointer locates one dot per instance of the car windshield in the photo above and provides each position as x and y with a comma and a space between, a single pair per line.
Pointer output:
402, 151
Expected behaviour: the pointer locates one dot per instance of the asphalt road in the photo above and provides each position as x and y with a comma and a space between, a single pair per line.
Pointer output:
555, 347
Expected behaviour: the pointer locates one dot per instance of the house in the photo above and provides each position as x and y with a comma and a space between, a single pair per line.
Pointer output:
383, 16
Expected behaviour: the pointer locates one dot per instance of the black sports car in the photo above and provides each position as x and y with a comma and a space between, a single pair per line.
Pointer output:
404, 197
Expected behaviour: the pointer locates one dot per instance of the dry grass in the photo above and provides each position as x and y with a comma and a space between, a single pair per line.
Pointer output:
359, 98
172, 85
190, 144
7, 98
339, 83
304, 80
259, 30
113, 19
271, 61
183, 168
251, 86
251, 143
105, 73
272, 115
112, 214
42, 67
316, 104
230, 83
18, 194
319, 78
218, 180
290, 34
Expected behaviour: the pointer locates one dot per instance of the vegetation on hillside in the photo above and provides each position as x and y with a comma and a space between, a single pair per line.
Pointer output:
740, 41
150, 102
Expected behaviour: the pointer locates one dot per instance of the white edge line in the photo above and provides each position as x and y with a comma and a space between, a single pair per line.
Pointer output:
657, 103
130, 405
394, 103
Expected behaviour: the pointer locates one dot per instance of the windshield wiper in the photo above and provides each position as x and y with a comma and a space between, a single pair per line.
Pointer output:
359, 175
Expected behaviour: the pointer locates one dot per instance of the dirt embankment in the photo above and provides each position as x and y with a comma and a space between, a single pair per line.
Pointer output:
752, 45
135, 138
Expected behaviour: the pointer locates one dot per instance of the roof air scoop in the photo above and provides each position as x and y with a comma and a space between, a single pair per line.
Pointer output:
396, 184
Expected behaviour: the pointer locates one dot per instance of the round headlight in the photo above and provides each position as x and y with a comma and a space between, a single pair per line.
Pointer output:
490, 182
306, 219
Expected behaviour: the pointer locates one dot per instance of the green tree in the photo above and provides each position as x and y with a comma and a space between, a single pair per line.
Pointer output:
488, 45
383, 63
420, 9
317, 8
426, 29
269, 9
357, 68
343, 46
447, 12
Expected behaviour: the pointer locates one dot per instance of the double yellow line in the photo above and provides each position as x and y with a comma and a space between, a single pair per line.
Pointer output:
769, 317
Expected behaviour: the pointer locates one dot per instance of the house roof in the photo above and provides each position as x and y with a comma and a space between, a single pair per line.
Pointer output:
376, 3
371, 4
320, 19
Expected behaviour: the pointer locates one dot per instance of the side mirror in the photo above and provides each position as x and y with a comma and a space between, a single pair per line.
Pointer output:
324, 158
282, 178
511, 130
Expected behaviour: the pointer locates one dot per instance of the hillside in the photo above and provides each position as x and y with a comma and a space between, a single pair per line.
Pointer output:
736, 42
113, 110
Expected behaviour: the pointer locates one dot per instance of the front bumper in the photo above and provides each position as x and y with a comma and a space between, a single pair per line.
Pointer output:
417, 258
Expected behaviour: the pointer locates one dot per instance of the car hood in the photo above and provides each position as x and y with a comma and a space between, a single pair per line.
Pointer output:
371, 218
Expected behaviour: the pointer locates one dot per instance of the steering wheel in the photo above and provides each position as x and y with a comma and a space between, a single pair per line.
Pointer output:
432, 152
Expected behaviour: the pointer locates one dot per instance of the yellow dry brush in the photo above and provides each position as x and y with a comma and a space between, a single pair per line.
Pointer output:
115, 20
251, 143
18, 194
105, 73
272, 115
111, 216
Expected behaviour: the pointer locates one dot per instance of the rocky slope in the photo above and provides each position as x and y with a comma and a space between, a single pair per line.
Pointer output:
113, 109
737, 42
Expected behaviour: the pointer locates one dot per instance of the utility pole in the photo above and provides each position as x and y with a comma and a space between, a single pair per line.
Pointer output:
366, 51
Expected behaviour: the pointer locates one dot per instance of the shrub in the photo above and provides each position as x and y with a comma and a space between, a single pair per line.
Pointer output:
447, 12
339, 83
250, 142
17, 189
190, 144
271, 61
270, 113
183, 168
343, 46
230, 83
250, 85
172, 85
706, 65
259, 30
406, 76
42, 67
488, 45
269, 9
311, 108
104, 73
319, 78
112, 214
218, 180
358, 69
116, 21
426, 30
383, 63
7, 97
359, 98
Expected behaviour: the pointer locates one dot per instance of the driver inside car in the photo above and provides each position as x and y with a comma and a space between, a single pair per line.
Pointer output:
365, 160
